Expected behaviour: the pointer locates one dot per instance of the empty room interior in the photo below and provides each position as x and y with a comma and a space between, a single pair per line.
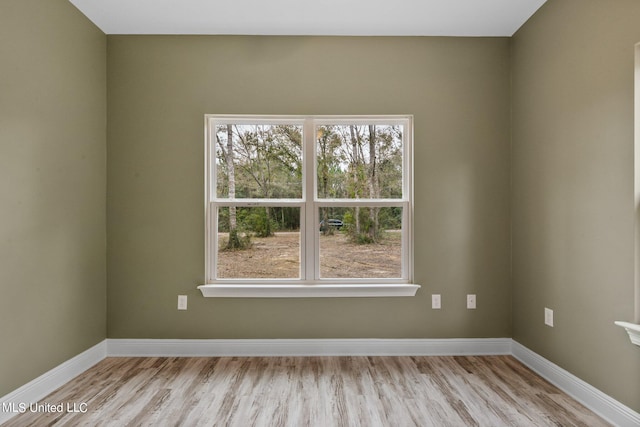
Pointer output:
518, 186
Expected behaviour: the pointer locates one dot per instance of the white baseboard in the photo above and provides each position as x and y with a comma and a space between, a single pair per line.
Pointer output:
46, 383
605, 406
600, 403
309, 347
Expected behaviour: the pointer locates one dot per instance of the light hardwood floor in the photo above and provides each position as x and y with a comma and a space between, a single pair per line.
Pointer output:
311, 391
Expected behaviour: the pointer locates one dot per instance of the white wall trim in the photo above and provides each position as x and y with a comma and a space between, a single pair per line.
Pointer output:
633, 330
308, 347
283, 290
600, 403
46, 383
597, 401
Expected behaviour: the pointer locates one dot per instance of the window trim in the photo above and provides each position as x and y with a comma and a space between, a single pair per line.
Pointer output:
309, 284
283, 290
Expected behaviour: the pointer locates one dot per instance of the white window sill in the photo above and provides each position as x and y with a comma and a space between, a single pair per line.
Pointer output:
633, 330
307, 291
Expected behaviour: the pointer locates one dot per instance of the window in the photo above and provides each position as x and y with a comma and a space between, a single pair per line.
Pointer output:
308, 206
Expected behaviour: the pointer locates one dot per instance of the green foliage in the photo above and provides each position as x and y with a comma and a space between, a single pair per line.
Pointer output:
285, 218
390, 218
363, 239
356, 161
258, 221
237, 241
353, 162
364, 231
267, 161
348, 219
358, 231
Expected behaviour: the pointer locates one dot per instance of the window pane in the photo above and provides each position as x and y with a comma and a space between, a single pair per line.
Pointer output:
259, 161
264, 243
359, 161
360, 242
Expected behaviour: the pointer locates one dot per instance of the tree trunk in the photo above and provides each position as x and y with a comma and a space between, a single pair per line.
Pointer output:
354, 154
234, 240
268, 232
325, 229
373, 184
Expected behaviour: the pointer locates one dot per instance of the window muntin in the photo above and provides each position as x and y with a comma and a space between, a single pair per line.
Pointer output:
304, 178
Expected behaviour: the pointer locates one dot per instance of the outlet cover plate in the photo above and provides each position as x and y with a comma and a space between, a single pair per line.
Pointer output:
182, 302
436, 302
548, 317
471, 301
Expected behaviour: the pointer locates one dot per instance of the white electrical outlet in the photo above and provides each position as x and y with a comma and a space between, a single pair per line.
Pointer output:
548, 317
471, 301
436, 301
182, 302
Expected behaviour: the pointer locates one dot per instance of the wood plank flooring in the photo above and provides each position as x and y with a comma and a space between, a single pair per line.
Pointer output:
311, 391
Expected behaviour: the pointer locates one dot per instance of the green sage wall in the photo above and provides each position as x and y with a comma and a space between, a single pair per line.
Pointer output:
52, 187
572, 195
523, 162
160, 87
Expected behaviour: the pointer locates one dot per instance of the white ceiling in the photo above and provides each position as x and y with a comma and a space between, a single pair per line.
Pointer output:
311, 17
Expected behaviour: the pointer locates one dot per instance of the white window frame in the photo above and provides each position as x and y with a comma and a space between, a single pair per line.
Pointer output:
309, 284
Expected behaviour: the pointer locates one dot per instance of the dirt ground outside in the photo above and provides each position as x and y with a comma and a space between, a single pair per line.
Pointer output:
279, 257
